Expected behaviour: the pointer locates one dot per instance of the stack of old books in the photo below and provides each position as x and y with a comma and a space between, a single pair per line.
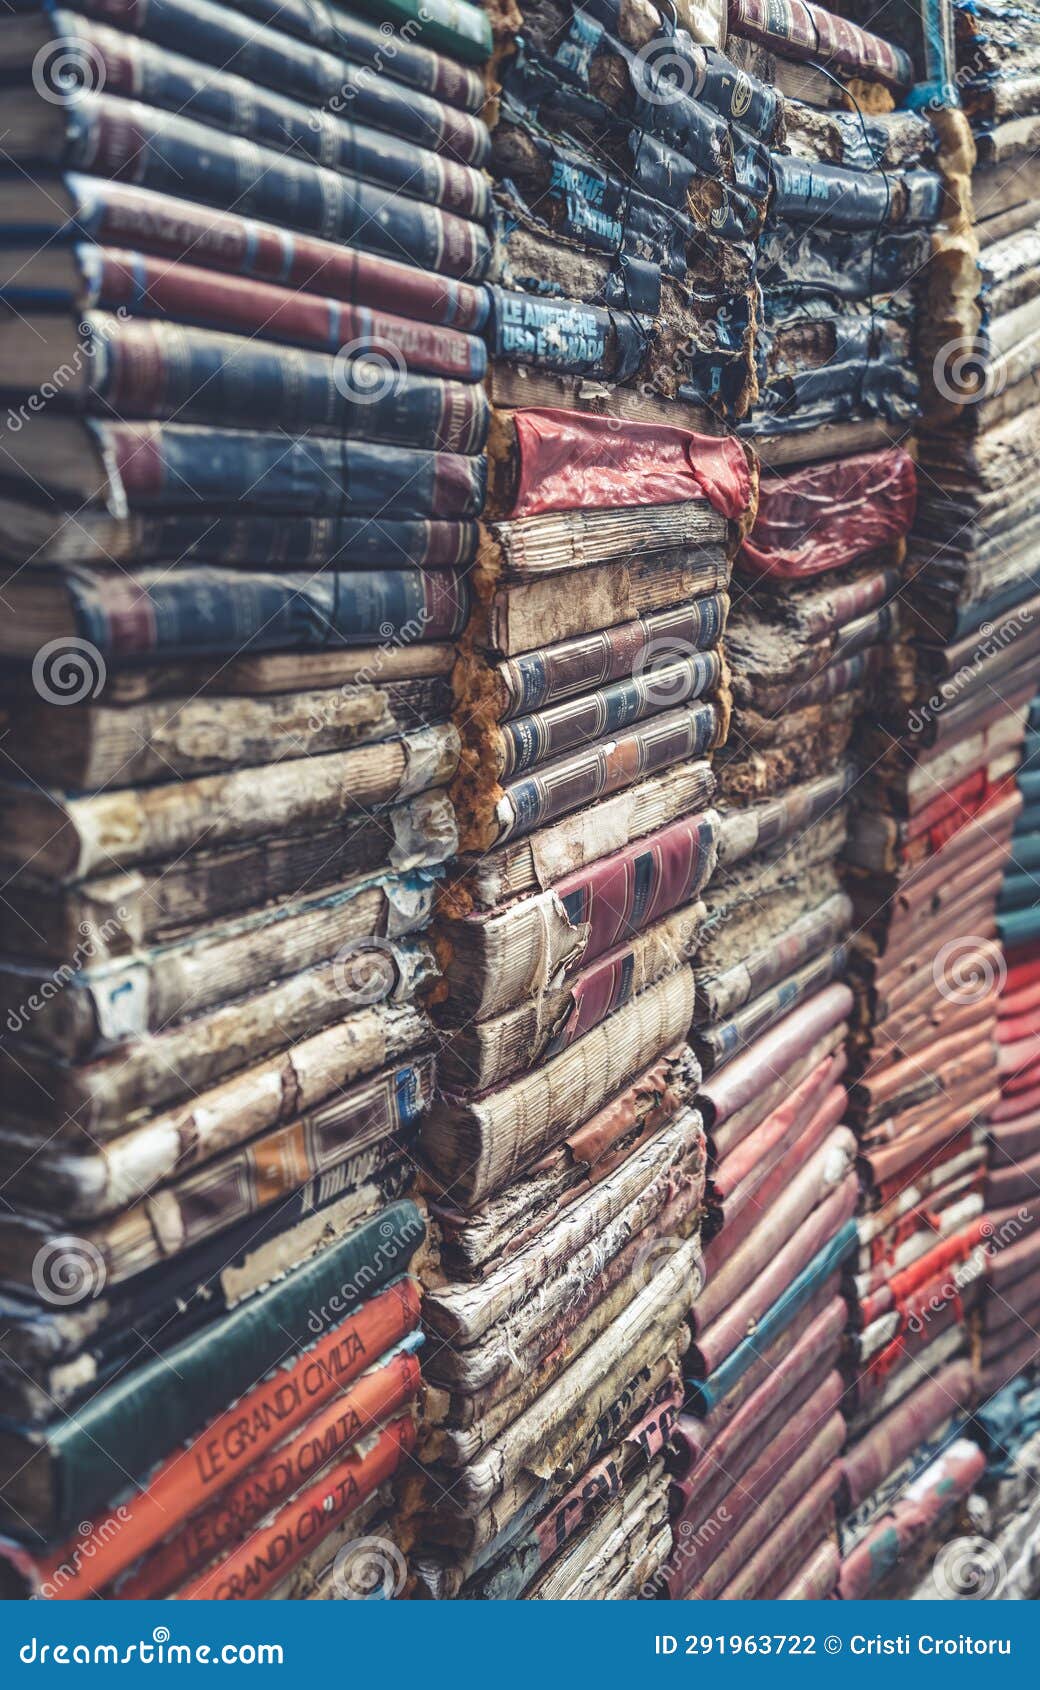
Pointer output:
242, 463
934, 822
853, 196
633, 171
1010, 1311
757, 1463
565, 1166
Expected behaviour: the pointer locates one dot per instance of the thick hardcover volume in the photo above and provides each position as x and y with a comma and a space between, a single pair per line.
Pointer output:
407, 159
556, 672
174, 466
181, 292
599, 770
459, 28
340, 1423
220, 35
120, 214
272, 1549
529, 740
123, 138
164, 370
177, 613
191, 1478
800, 30
81, 1464
404, 122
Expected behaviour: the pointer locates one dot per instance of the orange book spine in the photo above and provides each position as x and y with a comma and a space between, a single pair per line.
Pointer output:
375, 1397
276, 1546
198, 1472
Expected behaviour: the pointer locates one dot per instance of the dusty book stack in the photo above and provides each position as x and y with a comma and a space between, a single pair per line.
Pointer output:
935, 810
564, 1161
242, 462
812, 611
1010, 1312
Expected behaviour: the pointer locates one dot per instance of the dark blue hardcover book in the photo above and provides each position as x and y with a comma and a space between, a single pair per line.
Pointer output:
134, 142
326, 67
147, 368
392, 135
174, 466
188, 612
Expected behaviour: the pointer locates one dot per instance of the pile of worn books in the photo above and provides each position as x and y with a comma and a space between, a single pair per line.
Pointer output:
1011, 1310
933, 829
226, 759
853, 197
564, 1164
758, 1469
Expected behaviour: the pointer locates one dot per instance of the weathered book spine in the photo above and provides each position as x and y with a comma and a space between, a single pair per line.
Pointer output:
119, 214
220, 34
180, 612
840, 198
166, 370
527, 741
603, 769
803, 31
142, 1424
164, 466
351, 1415
716, 1044
275, 1546
113, 137
258, 541
186, 293
407, 158
540, 678
527, 615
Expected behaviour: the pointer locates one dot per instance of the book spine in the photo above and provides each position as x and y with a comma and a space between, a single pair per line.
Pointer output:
163, 369
292, 542
186, 293
530, 740
156, 466
562, 335
273, 1549
624, 894
191, 1476
193, 611
407, 158
122, 138
602, 769
540, 677
222, 35
350, 1415
123, 215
